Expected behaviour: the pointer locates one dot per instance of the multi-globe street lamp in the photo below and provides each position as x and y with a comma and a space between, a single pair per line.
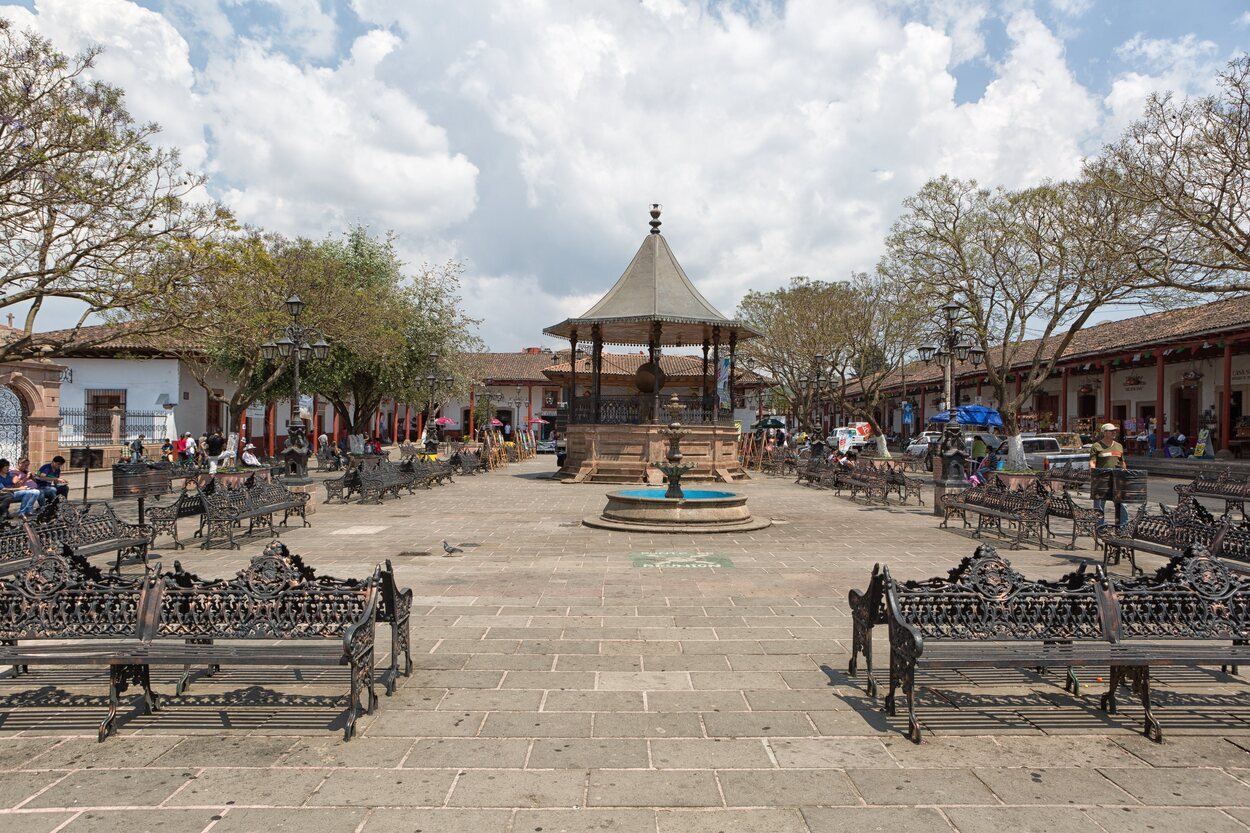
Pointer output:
433, 384
812, 384
953, 345
294, 343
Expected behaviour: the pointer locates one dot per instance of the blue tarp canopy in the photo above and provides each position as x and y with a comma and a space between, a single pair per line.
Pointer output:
971, 415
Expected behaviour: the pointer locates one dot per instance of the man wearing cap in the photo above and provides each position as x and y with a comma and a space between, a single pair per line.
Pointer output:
1106, 453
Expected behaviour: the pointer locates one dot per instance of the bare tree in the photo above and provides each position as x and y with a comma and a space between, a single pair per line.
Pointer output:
1185, 165
799, 323
1027, 270
90, 211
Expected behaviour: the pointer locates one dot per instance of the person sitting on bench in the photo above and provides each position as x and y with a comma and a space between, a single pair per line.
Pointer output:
50, 480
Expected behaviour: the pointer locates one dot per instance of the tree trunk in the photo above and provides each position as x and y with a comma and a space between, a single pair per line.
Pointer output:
1015, 443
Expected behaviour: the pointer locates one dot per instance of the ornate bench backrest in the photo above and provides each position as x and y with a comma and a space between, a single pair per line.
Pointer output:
985, 598
61, 596
276, 596
1194, 596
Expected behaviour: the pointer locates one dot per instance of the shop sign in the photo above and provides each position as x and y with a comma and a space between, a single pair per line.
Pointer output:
1133, 383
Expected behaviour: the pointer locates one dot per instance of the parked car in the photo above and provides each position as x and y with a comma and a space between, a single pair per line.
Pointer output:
919, 445
1042, 452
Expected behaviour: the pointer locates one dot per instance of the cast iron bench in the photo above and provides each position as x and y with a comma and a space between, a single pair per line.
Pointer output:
903, 485
1060, 505
164, 519
341, 487
1026, 510
865, 479
813, 472
278, 498
466, 462
376, 482
984, 614
1234, 491
277, 612
92, 531
60, 610
1165, 534
1067, 476
1193, 612
225, 508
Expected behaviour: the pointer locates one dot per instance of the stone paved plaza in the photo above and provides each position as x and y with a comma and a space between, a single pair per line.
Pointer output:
566, 680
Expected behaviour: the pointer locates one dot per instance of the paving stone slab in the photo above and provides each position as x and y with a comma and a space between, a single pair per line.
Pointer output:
289, 820
1188, 786
518, 788
787, 788
921, 786
584, 821
387, 820
736, 820
385, 787
632, 788
586, 753
32, 822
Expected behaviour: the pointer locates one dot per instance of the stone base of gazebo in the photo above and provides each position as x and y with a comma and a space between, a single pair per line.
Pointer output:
626, 453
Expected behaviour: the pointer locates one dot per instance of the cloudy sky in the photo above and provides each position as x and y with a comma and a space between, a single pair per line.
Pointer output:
527, 137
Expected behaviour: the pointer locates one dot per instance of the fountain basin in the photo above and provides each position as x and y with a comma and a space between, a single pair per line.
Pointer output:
701, 510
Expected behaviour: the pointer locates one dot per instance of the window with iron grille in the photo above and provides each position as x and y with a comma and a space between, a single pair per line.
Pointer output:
99, 404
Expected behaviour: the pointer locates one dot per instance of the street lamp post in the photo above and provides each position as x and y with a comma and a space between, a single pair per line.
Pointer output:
815, 382
294, 343
953, 345
433, 385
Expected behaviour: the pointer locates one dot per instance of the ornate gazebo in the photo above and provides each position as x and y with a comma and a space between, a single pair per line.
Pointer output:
616, 438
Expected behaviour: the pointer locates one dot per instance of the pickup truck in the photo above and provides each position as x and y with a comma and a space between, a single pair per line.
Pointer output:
1040, 453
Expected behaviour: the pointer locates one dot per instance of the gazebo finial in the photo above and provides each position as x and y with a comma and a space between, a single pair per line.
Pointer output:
655, 217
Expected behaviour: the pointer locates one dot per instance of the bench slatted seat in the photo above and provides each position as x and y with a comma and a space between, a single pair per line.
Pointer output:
466, 463
813, 472
15, 549
904, 485
1060, 505
1224, 485
276, 612
278, 498
985, 614
342, 487
60, 610
1026, 511
92, 531
377, 482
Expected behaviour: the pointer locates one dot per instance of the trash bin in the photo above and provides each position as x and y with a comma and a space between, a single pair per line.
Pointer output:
1126, 486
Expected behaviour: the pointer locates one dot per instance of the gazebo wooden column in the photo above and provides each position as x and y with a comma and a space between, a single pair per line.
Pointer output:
653, 347
715, 371
596, 369
572, 376
733, 368
706, 344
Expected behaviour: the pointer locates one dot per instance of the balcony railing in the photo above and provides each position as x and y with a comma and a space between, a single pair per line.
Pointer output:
106, 426
637, 410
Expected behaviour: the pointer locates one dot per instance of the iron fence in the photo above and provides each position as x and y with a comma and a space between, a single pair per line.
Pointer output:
100, 426
636, 409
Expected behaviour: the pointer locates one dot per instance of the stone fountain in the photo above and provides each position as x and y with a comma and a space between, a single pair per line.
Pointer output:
675, 509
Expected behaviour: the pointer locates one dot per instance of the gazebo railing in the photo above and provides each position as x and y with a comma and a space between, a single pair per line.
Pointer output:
636, 409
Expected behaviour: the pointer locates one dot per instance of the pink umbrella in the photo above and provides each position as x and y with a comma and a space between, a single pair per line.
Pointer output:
495, 421
538, 421
444, 421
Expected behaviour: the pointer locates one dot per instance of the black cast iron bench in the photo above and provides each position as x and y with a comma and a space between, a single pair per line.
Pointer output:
984, 614
164, 519
864, 479
1026, 511
1074, 478
225, 509
1225, 486
1194, 612
92, 531
1060, 505
277, 612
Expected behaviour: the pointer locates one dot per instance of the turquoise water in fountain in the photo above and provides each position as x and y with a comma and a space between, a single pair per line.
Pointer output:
691, 494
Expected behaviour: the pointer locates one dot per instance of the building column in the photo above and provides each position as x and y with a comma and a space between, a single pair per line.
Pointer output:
1063, 401
1106, 390
572, 374
472, 408
733, 372
270, 420
529, 406
1226, 410
1159, 398
407, 423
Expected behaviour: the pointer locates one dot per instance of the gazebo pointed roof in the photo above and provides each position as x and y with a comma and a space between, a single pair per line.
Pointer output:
653, 289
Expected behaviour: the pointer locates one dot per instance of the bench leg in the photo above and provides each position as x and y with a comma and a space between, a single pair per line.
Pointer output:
1141, 682
1107, 702
17, 669
120, 678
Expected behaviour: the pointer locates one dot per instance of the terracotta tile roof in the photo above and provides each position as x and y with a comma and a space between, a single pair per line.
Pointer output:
100, 339
1128, 335
510, 367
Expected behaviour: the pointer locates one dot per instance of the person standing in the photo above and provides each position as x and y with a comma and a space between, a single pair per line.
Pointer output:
136, 450
188, 447
214, 448
1107, 453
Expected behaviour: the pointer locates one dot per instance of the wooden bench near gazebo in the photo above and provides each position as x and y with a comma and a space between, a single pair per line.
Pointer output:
616, 439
